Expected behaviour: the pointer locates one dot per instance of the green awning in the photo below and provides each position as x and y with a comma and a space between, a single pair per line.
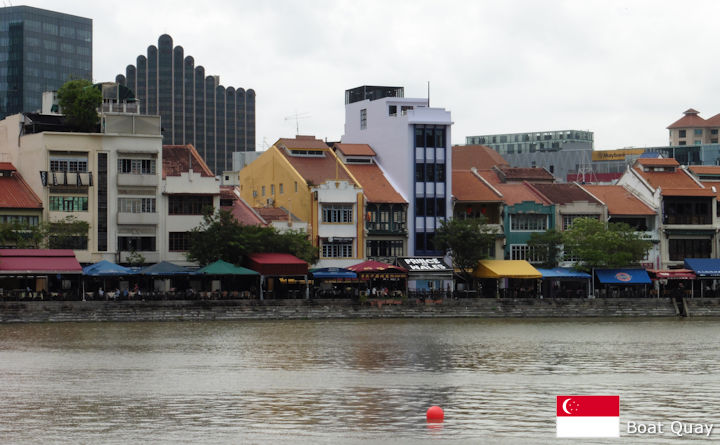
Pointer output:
221, 267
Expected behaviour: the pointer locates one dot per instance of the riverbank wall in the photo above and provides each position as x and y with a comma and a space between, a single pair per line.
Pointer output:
194, 310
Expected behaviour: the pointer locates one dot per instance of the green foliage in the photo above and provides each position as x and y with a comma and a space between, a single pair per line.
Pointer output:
221, 236
467, 241
135, 258
20, 236
79, 101
547, 247
69, 233
596, 246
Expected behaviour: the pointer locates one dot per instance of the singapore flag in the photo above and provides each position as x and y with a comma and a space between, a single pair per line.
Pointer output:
588, 416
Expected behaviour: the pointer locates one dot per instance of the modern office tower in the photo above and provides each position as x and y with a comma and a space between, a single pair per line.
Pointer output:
412, 145
563, 153
194, 108
39, 51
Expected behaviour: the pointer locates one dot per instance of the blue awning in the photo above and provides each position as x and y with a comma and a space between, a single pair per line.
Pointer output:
332, 273
105, 268
623, 276
704, 267
562, 272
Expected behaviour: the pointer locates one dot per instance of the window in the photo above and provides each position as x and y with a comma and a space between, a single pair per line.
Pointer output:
337, 213
75, 242
392, 110
272, 189
528, 223
136, 205
568, 219
281, 189
698, 132
337, 249
523, 252
136, 166
390, 248
405, 108
698, 142
682, 133
72, 165
188, 205
262, 191
69, 203
295, 186
136, 243
689, 248
363, 119
714, 131
179, 241
24, 220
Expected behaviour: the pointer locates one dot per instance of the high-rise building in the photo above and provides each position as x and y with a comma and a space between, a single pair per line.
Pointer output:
194, 108
412, 143
39, 51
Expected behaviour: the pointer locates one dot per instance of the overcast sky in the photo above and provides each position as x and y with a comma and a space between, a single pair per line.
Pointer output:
622, 69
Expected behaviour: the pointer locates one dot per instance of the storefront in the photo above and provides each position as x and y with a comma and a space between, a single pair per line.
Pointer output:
273, 267
672, 282
562, 282
621, 283
36, 273
334, 282
507, 278
427, 274
381, 279
707, 271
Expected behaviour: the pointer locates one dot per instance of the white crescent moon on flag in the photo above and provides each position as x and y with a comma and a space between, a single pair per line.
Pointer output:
564, 406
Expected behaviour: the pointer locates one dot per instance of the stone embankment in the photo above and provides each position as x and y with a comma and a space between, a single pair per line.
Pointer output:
191, 310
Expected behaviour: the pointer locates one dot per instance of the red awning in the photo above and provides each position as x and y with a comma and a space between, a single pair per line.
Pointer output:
672, 274
38, 261
376, 269
279, 264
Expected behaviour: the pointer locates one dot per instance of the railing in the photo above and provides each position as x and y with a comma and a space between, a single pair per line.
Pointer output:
688, 219
386, 227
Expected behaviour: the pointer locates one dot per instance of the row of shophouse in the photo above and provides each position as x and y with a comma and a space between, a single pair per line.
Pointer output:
380, 193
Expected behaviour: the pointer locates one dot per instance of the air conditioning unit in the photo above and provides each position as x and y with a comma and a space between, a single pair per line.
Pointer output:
270, 201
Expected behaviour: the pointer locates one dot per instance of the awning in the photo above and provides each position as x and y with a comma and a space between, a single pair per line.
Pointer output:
563, 272
378, 270
672, 274
623, 276
333, 273
506, 269
423, 268
704, 267
106, 268
221, 267
164, 268
38, 261
277, 264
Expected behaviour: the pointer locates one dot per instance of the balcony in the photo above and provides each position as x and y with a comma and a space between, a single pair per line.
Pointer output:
138, 218
386, 228
129, 179
693, 220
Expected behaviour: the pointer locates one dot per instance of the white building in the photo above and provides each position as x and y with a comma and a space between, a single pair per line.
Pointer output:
413, 145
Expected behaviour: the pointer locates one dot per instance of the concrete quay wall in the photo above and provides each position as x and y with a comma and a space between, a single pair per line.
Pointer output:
193, 310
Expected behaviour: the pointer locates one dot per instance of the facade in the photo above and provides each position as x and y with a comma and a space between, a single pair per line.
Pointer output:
413, 141
691, 129
18, 203
305, 177
560, 152
194, 107
687, 209
475, 197
40, 50
385, 209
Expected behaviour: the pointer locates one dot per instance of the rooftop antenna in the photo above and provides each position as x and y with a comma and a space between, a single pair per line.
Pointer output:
428, 82
297, 116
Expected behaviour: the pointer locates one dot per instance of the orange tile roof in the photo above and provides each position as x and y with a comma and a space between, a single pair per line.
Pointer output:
687, 192
179, 158
705, 169
517, 174
467, 187
228, 192
302, 142
317, 169
479, 156
517, 193
7, 166
564, 193
689, 120
355, 149
15, 193
619, 200
669, 180
658, 162
375, 185
711, 184
713, 121
273, 213
245, 214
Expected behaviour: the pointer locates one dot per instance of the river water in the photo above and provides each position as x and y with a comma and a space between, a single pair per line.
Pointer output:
355, 381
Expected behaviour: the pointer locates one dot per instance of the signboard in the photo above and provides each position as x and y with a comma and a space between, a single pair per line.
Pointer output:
616, 155
424, 264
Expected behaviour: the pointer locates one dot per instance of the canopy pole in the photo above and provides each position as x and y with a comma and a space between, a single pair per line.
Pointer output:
307, 288
262, 280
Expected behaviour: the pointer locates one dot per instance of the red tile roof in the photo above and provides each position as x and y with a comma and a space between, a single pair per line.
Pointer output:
619, 201
180, 158
516, 174
245, 214
564, 193
376, 187
687, 192
355, 149
689, 120
302, 142
669, 180
713, 121
711, 184
227, 192
479, 156
272, 213
658, 162
518, 193
315, 169
705, 169
467, 187
15, 193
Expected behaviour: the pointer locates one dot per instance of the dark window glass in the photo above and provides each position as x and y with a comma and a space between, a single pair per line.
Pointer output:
440, 172
419, 241
179, 241
440, 204
429, 172
420, 206
136, 243
419, 136
188, 205
419, 172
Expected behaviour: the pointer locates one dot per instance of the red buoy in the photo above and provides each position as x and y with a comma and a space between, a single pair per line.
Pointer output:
435, 414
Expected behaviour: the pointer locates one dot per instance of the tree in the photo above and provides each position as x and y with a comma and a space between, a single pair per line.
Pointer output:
69, 233
595, 245
547, 247
467, 241
221, 237
79, 101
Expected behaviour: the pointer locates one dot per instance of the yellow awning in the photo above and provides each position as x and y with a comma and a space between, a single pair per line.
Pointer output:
506, 269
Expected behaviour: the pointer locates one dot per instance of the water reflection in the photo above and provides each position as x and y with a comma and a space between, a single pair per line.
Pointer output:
367, 380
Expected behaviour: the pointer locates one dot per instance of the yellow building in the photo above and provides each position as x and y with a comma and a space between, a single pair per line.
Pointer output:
305, 177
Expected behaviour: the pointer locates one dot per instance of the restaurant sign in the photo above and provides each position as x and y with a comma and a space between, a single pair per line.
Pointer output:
424, 264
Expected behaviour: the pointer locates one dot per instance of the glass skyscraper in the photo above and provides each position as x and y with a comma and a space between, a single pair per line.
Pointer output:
194, 108
39, 51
